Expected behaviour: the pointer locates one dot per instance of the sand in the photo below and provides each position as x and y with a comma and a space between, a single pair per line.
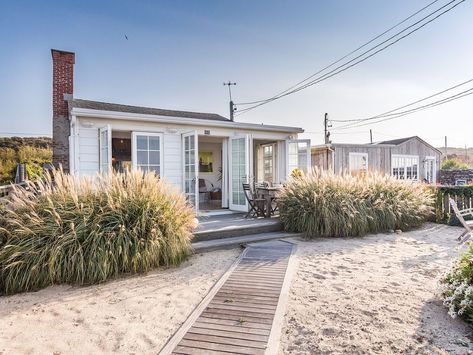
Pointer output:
373, 295
136, 314
376, 295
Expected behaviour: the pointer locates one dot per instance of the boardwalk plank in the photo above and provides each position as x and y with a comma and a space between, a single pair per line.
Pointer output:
232, 323
231, 328
229, 334
220, 347
225, 341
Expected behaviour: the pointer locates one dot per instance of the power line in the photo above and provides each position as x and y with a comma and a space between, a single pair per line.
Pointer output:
345, 56
390, 112
335, 72
345, 66
420, 108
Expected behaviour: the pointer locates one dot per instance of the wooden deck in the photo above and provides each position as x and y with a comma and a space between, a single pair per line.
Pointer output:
239, 317
234, 225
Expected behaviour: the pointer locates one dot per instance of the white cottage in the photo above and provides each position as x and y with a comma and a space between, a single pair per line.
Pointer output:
205, 154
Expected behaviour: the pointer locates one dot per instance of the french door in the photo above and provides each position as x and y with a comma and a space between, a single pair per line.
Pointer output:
430, 169
105, 149
190, 169
239, 171
298, 155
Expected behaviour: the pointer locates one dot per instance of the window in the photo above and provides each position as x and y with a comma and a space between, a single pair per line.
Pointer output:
268, 163
298, 155
148, 152
460, 182
104, 149
405, 167
358, 163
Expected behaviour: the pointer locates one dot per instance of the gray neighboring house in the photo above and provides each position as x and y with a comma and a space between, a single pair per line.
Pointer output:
410, 159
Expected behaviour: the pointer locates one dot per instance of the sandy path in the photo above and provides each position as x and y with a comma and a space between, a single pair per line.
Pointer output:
373, 295
131, 315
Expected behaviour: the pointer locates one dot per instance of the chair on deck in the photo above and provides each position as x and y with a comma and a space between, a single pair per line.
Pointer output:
256, 204
460, 214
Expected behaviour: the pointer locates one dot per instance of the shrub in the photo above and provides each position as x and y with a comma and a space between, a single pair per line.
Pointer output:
454, 164
75, 231
323, 204
32, 157
457, 287
8, 163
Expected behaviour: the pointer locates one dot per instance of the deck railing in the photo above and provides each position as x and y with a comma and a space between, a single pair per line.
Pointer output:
463, 196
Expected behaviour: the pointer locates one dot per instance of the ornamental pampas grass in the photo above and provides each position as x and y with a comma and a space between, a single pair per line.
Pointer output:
324, 204
65, 229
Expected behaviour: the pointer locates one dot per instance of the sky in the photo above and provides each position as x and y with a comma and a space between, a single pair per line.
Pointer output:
179, 53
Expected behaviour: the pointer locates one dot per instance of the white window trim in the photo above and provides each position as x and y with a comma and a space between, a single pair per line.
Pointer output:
393, 156
354, 154
134, 149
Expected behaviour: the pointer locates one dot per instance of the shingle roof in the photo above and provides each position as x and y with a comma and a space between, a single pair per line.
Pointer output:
105, 106
397, 141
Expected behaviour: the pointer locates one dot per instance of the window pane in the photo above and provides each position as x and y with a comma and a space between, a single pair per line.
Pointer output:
142, 142
154, 158
142, 157
154, 168
154, 143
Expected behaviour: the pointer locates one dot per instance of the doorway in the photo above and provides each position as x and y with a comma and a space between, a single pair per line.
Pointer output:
211, 173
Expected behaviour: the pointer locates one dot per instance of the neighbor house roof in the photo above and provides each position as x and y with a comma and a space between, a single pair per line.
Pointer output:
389, 143
397, 141
106, 106
404, 140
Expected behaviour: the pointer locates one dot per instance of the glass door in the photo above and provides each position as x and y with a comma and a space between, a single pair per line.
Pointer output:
239, 171
298, 155
105, 149
190, 161
430, 170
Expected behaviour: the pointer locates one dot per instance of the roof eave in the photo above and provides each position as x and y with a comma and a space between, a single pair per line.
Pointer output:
75, 111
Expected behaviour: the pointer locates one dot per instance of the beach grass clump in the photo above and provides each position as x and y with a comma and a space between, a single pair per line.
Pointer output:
65, 229
457, 287
324, 204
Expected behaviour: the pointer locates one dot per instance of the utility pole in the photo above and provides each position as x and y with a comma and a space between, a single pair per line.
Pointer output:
232, 105
327, 125
371, 136
446, 151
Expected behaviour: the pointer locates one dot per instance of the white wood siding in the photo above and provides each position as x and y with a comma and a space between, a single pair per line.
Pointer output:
172, 153
88, 151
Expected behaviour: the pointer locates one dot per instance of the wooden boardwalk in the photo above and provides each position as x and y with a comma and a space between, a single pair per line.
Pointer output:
239, 317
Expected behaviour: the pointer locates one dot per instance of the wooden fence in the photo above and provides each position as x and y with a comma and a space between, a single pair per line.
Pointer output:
463, 196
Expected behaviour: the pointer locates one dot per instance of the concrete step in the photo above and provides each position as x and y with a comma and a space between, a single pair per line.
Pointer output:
232, 242
238, 229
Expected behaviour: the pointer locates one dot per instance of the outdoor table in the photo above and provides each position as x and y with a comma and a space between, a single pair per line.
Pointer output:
269, 194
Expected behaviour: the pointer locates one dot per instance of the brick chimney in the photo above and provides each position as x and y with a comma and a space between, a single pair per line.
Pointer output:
63, 75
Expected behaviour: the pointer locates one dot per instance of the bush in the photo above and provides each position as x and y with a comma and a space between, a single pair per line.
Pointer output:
323, 204
75, 231
457, 287
453, 164
32, 157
